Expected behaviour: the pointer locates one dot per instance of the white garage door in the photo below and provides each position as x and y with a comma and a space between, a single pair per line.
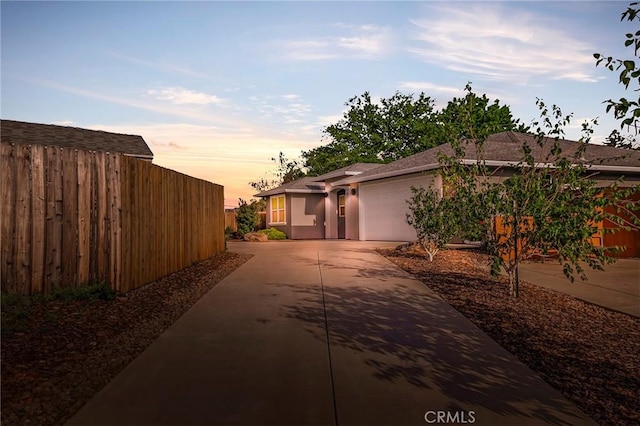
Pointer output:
383, 208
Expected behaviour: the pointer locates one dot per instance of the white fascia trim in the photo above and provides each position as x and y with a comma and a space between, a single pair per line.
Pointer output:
304, 191
596, 167
332, 175
392, 173
614, 168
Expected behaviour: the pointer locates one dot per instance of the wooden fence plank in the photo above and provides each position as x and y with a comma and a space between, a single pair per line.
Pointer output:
116, 223
53, 227
8, 218
69, 217
22, 253
38, 217
101, 201
84, 216
93, 220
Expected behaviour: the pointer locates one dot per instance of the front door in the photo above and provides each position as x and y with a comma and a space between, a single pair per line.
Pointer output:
341, 202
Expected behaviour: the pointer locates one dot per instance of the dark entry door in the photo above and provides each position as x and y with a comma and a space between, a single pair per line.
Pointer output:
342, 208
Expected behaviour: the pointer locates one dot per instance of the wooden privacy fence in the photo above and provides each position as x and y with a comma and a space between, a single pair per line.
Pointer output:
72, 216
230, 220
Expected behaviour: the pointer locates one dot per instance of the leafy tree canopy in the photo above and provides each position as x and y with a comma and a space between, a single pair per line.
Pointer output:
400, 126
286, 171
625, 110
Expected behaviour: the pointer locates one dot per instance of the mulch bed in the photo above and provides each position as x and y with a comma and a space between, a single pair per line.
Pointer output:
589, 353
68, 350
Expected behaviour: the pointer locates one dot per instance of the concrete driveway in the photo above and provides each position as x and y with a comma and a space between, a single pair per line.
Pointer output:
325, 332
617, 287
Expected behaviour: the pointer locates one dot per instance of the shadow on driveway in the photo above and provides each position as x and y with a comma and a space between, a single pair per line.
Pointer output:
407, 338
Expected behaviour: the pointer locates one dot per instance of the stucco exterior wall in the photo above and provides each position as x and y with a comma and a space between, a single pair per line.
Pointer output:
352, 213
307, 216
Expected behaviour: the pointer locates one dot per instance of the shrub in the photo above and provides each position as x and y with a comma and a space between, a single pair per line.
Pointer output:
274, 234
91, 291
16, 309
228, 233
246, 218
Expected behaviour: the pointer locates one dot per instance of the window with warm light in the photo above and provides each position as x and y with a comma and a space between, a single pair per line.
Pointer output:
277, 209
341, 205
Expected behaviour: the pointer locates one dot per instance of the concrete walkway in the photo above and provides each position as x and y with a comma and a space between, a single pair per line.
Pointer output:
617, 287
324, 332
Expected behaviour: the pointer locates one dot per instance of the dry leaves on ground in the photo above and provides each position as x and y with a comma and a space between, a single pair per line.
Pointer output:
70, 349
589, 353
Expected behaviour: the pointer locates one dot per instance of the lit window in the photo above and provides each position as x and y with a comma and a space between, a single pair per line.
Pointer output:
277, 209
341, 205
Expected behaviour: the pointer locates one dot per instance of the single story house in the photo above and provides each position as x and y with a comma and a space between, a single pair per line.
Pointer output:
20, 132
369, 201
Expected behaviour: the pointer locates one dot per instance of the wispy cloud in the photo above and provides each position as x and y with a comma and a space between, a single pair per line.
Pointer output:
160, 66
355, 41
171, 109
443, 94
498, 42
425, 86
182, 96
288, 109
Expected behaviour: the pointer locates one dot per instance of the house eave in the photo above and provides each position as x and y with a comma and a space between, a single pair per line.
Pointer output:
290, 191
594, 167
304, 191
393, 173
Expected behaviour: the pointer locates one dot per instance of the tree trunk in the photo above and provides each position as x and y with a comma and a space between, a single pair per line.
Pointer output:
512, 283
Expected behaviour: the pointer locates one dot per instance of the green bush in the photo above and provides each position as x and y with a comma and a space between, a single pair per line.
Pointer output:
229, 233
246, 218
274, 234
16, 309
92, 291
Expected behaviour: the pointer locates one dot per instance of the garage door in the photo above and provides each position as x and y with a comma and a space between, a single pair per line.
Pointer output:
383, 208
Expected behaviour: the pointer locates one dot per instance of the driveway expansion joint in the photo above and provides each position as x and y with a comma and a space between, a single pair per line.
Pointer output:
326, 329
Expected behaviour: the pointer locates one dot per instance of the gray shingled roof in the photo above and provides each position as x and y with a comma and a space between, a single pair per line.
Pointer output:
20, 132
502, 147
306, 184
315, 184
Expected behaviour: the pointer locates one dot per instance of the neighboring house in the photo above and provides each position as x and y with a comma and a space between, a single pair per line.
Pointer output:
20, 132
369, 201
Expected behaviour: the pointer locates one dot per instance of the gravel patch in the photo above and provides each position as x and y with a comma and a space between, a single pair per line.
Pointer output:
69, 350
589, 353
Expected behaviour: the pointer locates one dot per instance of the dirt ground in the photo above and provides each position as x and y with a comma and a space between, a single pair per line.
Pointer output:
67, 350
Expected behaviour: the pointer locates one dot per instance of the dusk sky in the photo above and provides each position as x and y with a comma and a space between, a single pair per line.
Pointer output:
218, 88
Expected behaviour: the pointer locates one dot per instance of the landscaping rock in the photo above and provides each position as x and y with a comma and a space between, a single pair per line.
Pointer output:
255, 236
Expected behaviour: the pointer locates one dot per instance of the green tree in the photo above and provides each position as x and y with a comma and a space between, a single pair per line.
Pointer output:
544, 205
430, 215
375, 132
286, 171
480, 116
625, 110
399, 126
